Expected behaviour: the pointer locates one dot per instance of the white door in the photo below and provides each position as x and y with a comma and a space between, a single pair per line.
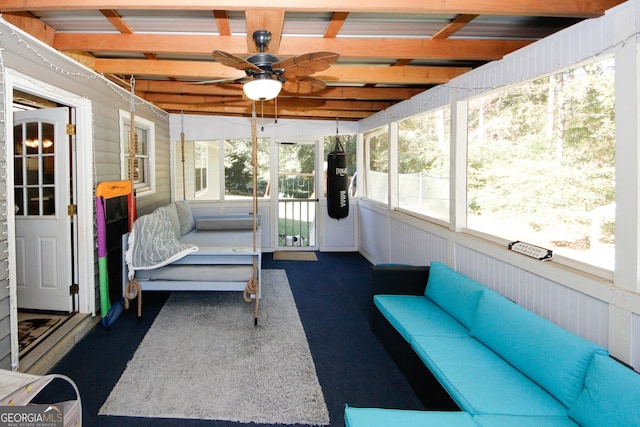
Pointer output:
43, 225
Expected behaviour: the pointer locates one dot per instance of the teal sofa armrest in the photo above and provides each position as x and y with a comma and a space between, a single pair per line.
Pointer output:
398, 279
610, 395
375, 417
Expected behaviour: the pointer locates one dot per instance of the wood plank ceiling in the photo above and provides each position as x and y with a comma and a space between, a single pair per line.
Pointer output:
389, 51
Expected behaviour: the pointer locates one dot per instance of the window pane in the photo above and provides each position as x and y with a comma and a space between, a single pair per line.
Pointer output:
141, 161
19, 201
541, 163
201, 177
238, 168
201, 161
32, 137
423, 164
48, 201
33, 195
376, 145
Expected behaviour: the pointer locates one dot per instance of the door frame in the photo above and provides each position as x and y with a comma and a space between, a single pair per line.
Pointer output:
318, 187
84, 196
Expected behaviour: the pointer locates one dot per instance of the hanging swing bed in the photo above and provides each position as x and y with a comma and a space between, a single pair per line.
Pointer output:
203, 253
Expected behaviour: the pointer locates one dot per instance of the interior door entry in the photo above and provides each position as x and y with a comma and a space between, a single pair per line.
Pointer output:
42, 194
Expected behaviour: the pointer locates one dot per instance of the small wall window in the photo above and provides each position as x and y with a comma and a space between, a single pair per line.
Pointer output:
423, 163
238, 168
143, 173
376, 150
541, 163
201, 162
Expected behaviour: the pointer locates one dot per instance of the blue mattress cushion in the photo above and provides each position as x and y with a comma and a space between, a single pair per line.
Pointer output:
553, 357
610, 397
457, 294
480, 381
417, 315
374, 417
514, 420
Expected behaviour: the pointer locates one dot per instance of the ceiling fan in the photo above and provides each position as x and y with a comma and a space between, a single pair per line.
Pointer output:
266, 74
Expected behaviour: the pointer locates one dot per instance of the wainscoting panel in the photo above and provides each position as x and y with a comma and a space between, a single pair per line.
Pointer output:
579, 313
635, 341
374, 235
410, 245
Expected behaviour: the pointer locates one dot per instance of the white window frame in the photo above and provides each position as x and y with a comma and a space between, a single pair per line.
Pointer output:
148, 186
366, 179
205, 149
462, 211
427, 215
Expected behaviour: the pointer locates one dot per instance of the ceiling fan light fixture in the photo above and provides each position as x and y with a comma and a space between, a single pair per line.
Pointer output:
262, 88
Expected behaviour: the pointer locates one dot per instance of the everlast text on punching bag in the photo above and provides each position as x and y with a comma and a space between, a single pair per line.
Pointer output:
337, 182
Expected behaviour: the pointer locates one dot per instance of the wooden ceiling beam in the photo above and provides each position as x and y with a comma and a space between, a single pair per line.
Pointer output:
337, 92
116, 20
222, 21
32, 25
476, 49
454, 26
331, 104
335, 24
342, 74
269, 110
259, 19
390, 75
583, 9
290, 46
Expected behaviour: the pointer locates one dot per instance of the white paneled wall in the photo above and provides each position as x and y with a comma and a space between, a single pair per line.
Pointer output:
410, 245
374, 235
583, 315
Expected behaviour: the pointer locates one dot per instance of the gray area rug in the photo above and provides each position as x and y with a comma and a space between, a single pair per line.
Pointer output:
203, 358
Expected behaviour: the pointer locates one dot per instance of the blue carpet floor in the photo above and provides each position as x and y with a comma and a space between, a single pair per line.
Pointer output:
334, 303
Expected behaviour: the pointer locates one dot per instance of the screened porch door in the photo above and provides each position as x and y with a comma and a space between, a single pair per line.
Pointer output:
297, 196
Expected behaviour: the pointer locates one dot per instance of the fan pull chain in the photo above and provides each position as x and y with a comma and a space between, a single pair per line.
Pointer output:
276, 104
262, 116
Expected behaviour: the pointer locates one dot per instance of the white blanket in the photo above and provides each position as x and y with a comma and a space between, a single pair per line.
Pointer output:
153, 243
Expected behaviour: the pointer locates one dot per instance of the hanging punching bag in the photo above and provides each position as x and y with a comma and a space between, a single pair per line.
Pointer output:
337, 182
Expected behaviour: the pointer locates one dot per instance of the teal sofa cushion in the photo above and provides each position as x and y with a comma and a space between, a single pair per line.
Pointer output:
481, 382
518, 421
457, 294
417, 315
553, 357
375, 417
610, 397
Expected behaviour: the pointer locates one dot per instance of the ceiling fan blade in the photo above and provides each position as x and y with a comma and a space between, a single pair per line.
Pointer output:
234, 61
218, 81
304, 85
306, 64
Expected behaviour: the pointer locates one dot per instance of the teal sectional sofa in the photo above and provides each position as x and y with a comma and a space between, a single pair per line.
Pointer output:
476, 358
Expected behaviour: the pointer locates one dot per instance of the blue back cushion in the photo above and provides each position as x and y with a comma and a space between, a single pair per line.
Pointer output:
610, 397
455, 293
554, 358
